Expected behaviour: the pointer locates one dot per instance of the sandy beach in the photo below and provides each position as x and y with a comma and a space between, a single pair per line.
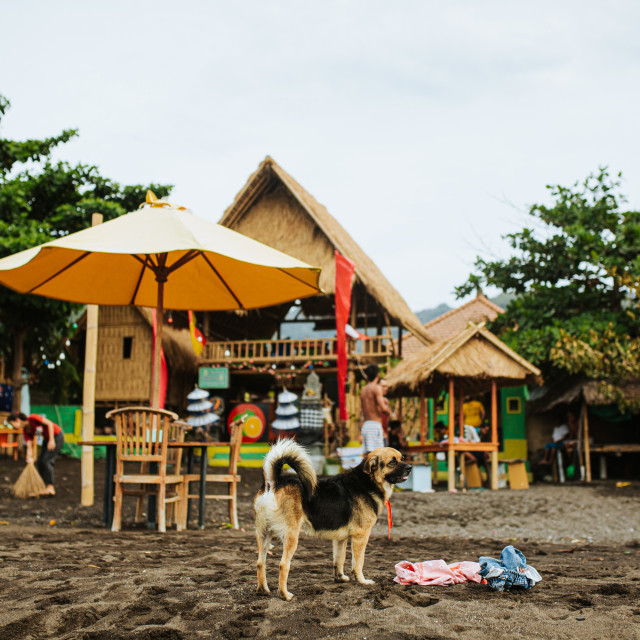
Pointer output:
64, 576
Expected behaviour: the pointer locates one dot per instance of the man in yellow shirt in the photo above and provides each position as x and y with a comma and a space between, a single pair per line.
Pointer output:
473, 412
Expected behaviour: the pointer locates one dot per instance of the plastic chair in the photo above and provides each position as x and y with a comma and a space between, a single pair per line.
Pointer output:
142, 437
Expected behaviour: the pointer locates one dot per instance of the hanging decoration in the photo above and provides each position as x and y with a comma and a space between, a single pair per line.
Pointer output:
286, 412
197, 337
200, 408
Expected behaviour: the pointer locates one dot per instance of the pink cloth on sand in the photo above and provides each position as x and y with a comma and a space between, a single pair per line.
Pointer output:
434, 572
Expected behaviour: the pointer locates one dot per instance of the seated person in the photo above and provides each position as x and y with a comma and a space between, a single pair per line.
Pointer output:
396, 437
481, 458
440, 432
562, 435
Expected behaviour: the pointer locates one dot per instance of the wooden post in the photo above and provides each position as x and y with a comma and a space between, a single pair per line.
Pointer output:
587, 445
89, 396
494, 435
18, 359
461, 411
451, 454
423, 417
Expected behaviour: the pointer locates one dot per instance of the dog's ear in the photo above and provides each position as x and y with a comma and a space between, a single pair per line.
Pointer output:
370, 464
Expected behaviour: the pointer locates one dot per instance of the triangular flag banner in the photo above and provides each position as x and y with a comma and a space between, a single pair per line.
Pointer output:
197, 337
344, 275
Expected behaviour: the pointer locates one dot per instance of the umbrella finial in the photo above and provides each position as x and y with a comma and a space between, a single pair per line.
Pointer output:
152, 201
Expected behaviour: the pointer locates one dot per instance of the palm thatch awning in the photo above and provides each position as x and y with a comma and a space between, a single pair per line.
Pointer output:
274, 209
475, 355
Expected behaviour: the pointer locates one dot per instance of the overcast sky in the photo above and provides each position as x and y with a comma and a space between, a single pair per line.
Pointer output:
426, 128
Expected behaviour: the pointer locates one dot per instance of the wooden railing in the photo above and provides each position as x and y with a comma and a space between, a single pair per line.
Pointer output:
273, 351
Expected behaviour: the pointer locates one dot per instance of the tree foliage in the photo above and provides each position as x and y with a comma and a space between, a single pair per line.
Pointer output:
41, 199
575, 272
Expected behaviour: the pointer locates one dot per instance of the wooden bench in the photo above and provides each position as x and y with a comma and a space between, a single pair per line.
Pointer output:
616, 449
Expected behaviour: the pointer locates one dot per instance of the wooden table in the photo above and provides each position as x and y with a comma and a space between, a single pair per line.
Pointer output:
459, 449
110, 470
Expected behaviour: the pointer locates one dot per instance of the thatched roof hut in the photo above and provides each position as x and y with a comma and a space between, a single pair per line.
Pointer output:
581, 390
475, 355
451, 323
275, 209
125, 345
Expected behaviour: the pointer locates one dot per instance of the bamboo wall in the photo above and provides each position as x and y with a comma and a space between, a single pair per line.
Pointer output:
119, 379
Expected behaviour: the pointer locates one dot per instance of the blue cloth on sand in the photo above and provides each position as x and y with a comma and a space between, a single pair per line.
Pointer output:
511, 570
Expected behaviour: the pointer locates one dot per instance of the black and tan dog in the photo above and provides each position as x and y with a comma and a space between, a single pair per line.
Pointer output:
336, 508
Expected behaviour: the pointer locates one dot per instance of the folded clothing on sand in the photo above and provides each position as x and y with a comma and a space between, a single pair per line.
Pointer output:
511, 570
437, 572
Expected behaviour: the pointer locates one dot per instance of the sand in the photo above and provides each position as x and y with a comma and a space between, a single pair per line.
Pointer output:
73, 579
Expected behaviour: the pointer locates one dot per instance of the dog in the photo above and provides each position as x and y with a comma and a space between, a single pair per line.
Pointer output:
335, 508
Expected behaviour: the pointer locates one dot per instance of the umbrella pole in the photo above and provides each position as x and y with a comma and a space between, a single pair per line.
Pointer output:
157, 348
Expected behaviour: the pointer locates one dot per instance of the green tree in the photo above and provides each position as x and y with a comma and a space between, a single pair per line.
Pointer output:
574, 273
41, 199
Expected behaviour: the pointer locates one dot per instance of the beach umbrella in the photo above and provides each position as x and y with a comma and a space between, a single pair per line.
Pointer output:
160, 256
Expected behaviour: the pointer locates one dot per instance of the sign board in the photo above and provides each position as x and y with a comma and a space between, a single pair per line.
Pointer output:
213, 378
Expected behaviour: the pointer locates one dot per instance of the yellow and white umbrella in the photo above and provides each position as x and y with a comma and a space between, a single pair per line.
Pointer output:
160, 256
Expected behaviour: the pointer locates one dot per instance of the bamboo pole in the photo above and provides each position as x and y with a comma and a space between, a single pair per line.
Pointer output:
494, 435
451, 454
89, 396
587, 445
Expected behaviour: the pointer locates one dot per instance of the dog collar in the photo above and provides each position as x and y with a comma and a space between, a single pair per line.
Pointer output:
389, 518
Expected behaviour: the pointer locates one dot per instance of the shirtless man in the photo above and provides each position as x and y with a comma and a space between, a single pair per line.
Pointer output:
374, 406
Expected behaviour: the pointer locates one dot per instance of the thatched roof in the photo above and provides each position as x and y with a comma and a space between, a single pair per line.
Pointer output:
274, 209
177, 344
451, 323
582, 390
475, 355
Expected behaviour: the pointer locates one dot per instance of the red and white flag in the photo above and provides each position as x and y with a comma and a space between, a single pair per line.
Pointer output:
354, 333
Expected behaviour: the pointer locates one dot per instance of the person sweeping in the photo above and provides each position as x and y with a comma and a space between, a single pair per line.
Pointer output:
52, 441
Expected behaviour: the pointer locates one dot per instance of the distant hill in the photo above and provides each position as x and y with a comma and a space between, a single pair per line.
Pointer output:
426, 315
300, 330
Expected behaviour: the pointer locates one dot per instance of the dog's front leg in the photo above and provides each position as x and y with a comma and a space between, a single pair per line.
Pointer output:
290, 546
358, 546
339, 556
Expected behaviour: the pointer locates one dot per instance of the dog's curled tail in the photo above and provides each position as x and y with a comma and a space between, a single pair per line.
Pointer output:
286, 451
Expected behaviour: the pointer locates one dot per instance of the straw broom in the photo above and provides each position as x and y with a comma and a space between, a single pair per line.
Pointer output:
29, 484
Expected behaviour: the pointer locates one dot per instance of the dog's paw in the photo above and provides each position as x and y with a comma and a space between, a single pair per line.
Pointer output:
263, 590
341, 578
285, 595
365, 581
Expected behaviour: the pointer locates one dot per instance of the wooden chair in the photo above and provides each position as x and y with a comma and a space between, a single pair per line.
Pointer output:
231, 478
177, 431
142, 436
9, 442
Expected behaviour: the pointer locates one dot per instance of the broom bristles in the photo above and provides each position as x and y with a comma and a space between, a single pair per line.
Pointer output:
29, 484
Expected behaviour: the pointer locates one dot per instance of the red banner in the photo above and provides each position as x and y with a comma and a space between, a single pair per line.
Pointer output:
344, 276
